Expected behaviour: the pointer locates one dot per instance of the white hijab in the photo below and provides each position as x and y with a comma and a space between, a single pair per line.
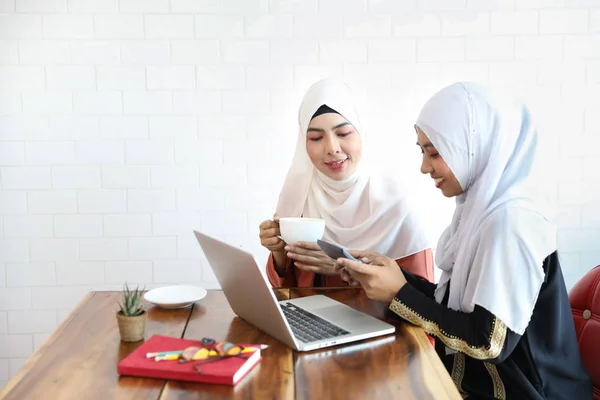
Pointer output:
490, 144
364, 211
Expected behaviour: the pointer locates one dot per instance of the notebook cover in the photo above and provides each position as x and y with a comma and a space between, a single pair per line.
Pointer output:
218, 372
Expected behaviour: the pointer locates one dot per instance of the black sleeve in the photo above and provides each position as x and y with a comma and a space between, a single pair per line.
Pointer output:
422, 285
478, 334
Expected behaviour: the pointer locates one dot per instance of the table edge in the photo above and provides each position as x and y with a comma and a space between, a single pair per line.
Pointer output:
441, 373
30, 363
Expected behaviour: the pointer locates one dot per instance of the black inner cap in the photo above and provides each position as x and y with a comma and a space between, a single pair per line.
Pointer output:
323, 110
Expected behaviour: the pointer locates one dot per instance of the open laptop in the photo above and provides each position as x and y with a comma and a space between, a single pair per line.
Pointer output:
306, 323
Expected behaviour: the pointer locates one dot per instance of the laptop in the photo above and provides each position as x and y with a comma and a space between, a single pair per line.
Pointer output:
304, 324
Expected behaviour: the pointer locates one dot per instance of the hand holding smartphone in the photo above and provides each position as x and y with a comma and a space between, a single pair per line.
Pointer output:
335, 251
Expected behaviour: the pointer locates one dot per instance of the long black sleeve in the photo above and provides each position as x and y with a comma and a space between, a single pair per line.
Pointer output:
422, 285
478, 334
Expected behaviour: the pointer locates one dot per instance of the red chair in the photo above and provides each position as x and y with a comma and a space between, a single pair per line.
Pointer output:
585, 305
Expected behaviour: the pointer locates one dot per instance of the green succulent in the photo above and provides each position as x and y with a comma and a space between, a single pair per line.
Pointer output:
132, 302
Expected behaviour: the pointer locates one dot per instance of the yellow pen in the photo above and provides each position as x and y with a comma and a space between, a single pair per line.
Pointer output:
167, 357
163, 353
249, 350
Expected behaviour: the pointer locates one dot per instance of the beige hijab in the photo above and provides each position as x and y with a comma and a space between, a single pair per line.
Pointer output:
367, 210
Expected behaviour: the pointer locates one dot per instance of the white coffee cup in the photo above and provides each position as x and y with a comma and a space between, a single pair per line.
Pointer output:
294, 230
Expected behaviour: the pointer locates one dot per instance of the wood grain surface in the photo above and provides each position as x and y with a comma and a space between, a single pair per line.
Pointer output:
389, 367
273, 378
79, 360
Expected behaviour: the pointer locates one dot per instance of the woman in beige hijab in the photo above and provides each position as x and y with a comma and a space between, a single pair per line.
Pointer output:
330, 179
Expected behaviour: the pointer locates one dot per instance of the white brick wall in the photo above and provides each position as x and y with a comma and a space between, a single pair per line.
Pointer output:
76, 177
52, 202
32, 226
55, 102
195, 51
125, 124
97, 103
126, 225
40, 52
73, 127
95, 53
63, 26
124, 177
33, 274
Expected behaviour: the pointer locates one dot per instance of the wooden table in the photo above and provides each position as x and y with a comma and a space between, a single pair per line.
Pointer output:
79, 360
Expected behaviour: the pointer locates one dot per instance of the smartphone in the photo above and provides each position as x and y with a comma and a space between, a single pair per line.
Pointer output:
335, 251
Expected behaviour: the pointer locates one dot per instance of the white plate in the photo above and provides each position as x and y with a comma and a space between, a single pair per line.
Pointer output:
180, 296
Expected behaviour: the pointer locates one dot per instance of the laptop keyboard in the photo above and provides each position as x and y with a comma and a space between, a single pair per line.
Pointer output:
307, 327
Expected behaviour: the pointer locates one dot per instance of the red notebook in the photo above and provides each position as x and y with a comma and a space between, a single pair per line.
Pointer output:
228, 371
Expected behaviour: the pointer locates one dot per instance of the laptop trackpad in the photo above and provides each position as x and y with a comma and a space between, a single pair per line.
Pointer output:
338, 313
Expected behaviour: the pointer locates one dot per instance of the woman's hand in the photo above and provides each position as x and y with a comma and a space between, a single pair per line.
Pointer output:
380, 276
269, 235
346, 277
310, 257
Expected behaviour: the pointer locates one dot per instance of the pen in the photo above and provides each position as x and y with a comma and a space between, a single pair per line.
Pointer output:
167, 357
253, 349
199, 354
163, 353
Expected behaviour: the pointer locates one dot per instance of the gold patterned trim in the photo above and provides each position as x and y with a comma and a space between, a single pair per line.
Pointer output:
499, 390
458, 372
486, 352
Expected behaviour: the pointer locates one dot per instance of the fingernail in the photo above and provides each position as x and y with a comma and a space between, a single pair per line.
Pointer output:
288, 248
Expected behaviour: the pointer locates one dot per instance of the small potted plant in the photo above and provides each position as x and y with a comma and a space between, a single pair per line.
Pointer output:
131, 318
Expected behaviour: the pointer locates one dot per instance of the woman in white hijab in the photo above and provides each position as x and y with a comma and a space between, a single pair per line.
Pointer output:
330, 179
500, 312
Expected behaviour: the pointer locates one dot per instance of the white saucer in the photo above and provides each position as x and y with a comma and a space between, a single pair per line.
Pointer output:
179, 296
